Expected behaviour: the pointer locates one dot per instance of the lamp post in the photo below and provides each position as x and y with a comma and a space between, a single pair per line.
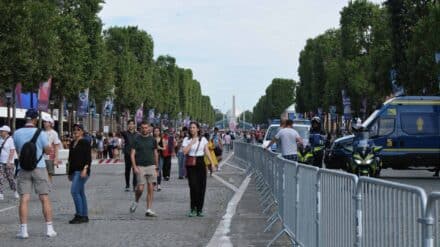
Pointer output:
8, 95
51, 104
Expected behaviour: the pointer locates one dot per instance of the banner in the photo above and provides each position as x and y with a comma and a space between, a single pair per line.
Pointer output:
139, 114
83, 104
346, 102
108, 107
44, 95
151, 116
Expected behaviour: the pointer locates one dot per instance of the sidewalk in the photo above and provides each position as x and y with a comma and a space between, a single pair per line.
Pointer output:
111, 224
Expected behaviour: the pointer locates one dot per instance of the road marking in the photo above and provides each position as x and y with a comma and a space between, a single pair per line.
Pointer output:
221, 238
222, 163
221, 180
6, 209
236, 167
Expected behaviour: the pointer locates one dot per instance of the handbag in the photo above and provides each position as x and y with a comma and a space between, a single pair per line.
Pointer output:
191, 160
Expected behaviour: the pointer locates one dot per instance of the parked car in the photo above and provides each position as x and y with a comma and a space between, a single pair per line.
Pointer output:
302, 129
406, 127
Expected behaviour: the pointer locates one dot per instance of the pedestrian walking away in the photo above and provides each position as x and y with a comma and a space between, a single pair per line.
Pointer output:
157, 134
80, 158
31, 139
144, 158
180, 156
7, 165
167, 153
129, 137
195, 147
288, 138
218, 144
54, 143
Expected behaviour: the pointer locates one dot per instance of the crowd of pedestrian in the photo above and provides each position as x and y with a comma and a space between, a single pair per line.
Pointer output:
28, 159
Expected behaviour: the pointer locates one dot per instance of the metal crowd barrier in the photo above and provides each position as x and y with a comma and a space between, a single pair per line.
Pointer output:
319, 207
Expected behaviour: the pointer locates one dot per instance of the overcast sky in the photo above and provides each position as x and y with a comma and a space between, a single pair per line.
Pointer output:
234, 47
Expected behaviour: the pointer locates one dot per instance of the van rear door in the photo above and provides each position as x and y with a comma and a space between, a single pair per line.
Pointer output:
420, 137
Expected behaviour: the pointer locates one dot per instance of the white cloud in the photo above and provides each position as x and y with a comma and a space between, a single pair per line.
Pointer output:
232, 47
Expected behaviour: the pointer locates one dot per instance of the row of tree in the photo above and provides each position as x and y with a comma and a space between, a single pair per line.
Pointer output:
373, 46
64, 40
279, 95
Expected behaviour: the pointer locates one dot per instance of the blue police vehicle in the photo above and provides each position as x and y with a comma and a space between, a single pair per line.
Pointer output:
408, 129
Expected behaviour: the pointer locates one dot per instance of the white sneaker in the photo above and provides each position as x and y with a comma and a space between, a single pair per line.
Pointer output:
51, 234
22, 235
2, 197
133, 207
150, 213
16, 195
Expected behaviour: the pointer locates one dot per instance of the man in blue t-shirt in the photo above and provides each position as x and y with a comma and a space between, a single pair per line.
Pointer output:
37, 178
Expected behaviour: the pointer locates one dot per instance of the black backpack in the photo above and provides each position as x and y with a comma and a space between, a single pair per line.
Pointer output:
28, 154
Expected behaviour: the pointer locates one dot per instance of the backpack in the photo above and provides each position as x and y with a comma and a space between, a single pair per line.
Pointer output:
28, 154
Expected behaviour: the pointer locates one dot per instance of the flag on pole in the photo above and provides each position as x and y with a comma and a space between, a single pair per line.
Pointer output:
83, 105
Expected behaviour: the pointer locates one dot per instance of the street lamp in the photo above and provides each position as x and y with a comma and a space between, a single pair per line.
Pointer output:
51, 103
8, 95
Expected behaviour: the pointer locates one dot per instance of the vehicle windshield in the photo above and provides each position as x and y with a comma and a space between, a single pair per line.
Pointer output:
271, 132
303, 131
367, 121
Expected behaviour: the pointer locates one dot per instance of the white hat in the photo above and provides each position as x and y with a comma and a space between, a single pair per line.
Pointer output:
47, 118
5, 128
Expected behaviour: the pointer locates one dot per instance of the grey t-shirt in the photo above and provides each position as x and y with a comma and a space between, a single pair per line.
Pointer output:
287, 137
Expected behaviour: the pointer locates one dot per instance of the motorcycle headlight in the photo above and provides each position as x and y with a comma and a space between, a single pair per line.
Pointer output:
358, 161
369, 161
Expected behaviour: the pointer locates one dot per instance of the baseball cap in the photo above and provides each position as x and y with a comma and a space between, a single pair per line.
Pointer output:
5, 128
47, 118
31, 114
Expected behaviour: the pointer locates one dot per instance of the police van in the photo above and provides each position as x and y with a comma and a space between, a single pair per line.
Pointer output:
408, 129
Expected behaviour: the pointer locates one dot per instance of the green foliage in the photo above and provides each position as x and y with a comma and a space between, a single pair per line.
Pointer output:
280, 94
359, 55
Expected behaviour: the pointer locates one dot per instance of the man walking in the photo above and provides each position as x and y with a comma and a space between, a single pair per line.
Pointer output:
37, 178
7, 153
129, 137
288, 138
144, 158
54, 144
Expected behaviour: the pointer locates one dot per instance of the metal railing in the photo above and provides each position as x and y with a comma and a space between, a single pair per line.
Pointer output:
319, 207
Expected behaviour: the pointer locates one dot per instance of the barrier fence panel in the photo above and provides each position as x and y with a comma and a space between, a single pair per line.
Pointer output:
390, 213
337, 208
290, 196
432, 218
306, 228
280, 194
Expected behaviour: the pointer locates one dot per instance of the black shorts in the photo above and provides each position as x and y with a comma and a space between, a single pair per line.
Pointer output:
217, 151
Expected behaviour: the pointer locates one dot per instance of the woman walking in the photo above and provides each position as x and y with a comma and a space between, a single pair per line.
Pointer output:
80, 157
195, 147
157, 134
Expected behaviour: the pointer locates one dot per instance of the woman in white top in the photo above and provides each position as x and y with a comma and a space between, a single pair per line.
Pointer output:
195, 148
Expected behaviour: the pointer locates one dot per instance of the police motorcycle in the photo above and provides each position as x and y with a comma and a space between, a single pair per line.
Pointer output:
365, 160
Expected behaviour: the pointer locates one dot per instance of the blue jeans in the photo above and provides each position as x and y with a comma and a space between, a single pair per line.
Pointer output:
159, 172
181, 162
78, 193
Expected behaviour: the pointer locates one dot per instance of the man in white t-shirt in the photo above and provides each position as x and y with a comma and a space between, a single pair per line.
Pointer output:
7, 154
288, 138
54, 144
